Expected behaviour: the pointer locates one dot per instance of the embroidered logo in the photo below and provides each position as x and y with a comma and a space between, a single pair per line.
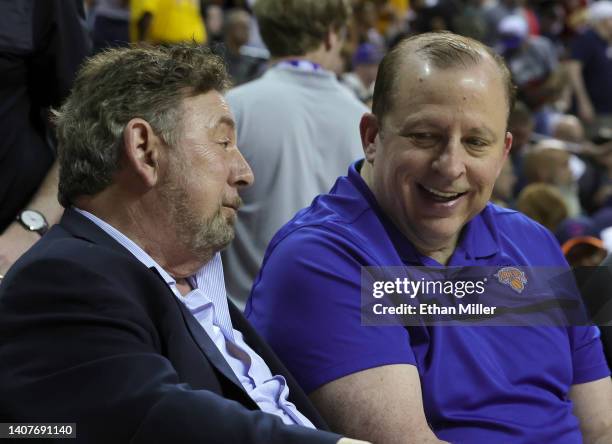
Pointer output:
513, 277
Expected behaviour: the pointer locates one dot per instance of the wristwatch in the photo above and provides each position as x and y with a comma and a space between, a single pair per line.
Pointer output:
33, 220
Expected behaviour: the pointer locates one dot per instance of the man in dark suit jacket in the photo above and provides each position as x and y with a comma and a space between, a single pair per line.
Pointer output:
113, 321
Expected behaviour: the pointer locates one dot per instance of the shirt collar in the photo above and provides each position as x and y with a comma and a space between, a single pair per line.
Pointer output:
301, 65
477, 241
129, 245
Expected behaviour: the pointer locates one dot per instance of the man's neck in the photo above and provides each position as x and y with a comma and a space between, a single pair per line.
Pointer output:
183, 286
137, 225
318, 56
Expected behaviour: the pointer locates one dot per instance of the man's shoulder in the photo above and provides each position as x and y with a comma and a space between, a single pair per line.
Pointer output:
61, 244
65, 259
342, 219
518, 233
277, 86
510, 222
507, 219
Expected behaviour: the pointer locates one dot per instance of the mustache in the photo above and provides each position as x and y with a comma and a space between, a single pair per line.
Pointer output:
235, 203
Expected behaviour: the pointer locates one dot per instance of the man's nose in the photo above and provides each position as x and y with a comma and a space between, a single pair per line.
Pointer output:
450, 159
242, 175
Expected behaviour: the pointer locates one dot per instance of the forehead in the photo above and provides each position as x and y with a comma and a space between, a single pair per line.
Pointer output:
421, 87
206, 111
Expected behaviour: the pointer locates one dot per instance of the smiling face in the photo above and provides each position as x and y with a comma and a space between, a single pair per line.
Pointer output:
439, 149
204, 174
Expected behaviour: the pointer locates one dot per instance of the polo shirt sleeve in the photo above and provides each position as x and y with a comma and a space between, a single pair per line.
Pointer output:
306, 304
588, 359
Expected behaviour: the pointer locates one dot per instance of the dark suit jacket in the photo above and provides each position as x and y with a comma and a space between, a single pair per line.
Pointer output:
90, 335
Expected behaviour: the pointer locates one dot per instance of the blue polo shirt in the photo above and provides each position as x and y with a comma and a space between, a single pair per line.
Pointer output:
479, 384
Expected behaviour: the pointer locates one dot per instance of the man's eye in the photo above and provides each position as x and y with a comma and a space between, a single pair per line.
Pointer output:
424, 139
477, 143
225, 143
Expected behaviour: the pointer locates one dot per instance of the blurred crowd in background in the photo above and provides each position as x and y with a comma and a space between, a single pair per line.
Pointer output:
559, 53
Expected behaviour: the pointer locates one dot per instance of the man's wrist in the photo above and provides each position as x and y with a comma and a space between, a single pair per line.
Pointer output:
33, 221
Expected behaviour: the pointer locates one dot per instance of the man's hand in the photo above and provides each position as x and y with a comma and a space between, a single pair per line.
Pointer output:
14, 241
351, 441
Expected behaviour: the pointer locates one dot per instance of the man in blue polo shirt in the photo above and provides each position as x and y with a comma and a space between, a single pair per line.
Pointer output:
434, 145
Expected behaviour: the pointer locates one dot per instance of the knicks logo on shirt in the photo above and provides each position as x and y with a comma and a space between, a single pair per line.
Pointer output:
513, 277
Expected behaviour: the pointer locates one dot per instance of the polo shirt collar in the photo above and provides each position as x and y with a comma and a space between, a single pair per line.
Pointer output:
478, 240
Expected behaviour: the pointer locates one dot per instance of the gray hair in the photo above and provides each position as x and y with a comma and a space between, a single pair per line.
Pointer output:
116, 86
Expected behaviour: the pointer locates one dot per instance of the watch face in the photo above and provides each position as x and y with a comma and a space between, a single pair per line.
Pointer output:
32, 219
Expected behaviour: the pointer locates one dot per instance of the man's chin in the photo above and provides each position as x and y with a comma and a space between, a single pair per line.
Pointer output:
223, 245
208, 244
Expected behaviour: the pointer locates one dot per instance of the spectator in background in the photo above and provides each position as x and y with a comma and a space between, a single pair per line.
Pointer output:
295, 126
521, 124
471, 21
434, 15
576, 16
568, 128
392, 17
214, 24
595, 183
111, 24
591, 68
42, 43
544, 204
166, 21
365, 19
496, 11
602, 220
535, 69
365, 65
575, 227
584, 251
241, 66
549, 162
552, 17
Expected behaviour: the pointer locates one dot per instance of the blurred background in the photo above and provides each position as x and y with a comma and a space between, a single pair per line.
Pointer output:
559, 52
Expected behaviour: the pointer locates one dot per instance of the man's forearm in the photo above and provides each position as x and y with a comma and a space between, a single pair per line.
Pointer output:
574, 70
16, 239
604, 438
45, 200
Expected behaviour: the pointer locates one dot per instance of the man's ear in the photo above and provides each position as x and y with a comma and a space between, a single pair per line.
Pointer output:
329, 39
507, 144
142, 150
369, 129
507, 147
